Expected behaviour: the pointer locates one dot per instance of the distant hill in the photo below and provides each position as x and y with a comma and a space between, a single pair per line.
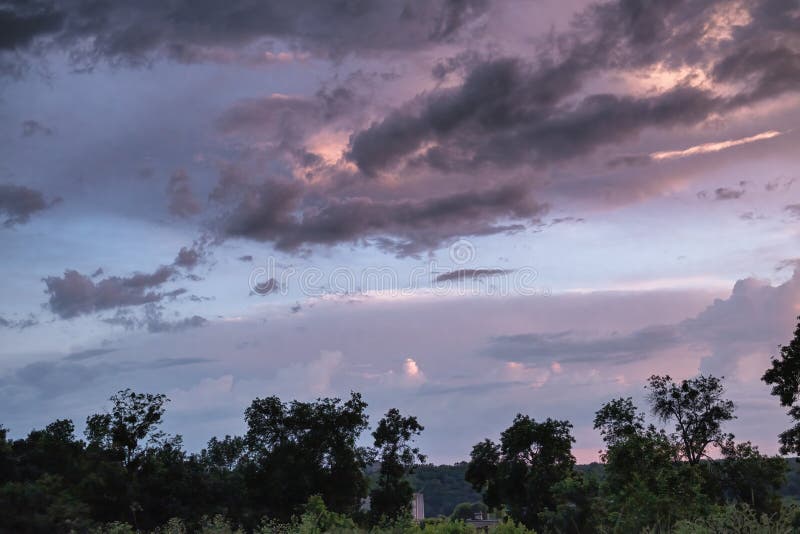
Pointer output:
444, 485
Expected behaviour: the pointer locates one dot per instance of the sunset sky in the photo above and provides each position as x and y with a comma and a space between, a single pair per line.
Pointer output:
460, 208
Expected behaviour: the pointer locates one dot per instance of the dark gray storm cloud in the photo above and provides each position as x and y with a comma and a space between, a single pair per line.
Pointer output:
77, 294
22, 22
18, 203
188, 31
275, 212
495, 117
510, 112
470, 274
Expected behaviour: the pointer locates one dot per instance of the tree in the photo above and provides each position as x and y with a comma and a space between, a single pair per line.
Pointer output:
300, 449
394, 437
134, 418
523, 470
753, 478
618, 420
698, 409
468, 510
644, 482
784, 377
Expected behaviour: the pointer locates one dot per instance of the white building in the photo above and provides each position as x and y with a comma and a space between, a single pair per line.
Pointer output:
418, 507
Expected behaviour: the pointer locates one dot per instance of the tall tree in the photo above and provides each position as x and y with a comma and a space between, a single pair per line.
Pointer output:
300, 449
697, 408
522, 472
644, 482
784, 377
132, 424
394, 437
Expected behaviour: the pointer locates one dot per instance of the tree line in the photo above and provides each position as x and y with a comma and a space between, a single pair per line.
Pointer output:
304, 463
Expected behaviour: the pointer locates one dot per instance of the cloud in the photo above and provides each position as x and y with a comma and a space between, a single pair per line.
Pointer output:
509, 112
233, 31
18, 203
572, 347
315, 376
51, 379
19, 324
190, 257
282, 118
501, 115
182, 202
793, 210
76, 294
726, 193
412, 372
274, 212
21, 23
88, 354
31, 127
153, 320
470, 274
713, 147
753, 319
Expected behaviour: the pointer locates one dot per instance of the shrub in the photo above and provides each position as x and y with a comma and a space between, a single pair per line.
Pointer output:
740, 519
114, 528
173, 526
218, 525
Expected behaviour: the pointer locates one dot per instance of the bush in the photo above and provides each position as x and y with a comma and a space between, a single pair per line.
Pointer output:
510, 527
114, 528
740, 519
173, 526
218, 525
317, 519
447, 527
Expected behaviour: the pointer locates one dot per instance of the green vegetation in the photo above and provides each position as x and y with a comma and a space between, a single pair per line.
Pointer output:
301, 468
444, 488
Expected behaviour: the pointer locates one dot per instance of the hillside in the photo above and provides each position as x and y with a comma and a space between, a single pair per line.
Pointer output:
444, 485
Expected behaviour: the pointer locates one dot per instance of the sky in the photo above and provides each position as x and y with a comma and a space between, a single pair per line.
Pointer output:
464, 209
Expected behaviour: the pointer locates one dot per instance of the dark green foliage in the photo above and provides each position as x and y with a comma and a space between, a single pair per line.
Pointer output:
747, 476
299, 449
654, 478
130, 472
697, 408
444, 487
299, 468
394, 437
134, 418
645, 483
784, 377
576, 498
523, 471
468, 510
